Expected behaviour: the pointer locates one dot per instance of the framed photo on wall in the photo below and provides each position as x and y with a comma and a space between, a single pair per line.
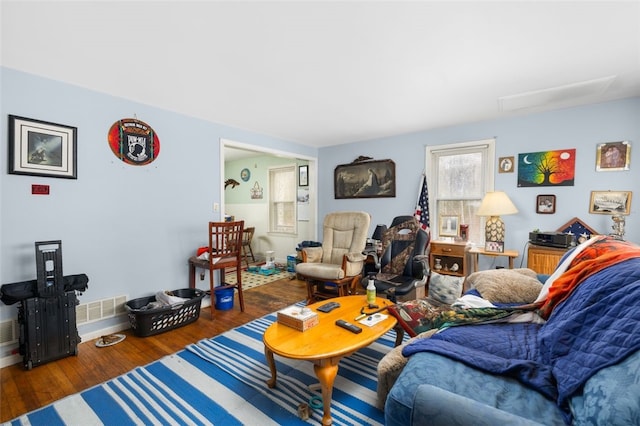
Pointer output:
613, 156
506, 164
610, 202
303, 176
545, 204
41, 148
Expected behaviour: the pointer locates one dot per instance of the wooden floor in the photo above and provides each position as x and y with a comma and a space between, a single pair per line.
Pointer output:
22, 391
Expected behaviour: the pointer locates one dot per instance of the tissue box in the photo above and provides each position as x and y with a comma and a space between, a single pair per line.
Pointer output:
294, 318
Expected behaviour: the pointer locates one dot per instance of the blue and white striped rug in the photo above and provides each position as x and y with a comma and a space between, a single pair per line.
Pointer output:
222, 381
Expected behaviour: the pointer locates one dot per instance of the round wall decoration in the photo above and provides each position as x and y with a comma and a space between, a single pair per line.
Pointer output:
134, 141
245, 174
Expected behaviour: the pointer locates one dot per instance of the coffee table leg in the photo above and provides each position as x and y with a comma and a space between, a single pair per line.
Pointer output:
272, 366
326, 371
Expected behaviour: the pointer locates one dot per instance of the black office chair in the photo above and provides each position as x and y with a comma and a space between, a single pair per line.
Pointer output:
403, 267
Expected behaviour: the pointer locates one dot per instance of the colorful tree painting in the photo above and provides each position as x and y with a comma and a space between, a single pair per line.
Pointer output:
547, 168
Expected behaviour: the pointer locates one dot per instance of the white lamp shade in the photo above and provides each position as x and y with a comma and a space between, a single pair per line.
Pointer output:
496, 203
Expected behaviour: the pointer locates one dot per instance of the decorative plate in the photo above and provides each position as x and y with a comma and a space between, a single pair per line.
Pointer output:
245, 174
109, 340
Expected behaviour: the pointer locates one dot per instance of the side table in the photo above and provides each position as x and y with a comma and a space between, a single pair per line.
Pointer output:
477, 251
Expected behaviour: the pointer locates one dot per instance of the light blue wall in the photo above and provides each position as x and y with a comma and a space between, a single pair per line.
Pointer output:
582, 128
131, 229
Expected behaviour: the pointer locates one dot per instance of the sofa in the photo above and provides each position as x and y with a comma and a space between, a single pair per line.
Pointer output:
571, 356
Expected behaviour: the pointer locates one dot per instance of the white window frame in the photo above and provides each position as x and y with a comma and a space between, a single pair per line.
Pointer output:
486, 146
274, 226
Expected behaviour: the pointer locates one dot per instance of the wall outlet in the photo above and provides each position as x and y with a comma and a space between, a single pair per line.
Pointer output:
216, 207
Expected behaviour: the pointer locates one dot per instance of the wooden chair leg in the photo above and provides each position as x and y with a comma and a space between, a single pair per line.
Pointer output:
399, 334
245, 257
353, 289
239, 286
251, 251
310, 291
212, 295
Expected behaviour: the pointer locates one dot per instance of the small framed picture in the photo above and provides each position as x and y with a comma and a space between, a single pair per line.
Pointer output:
303, 176
494, 246
545, 204
449, 226
505, 164
41, 148
613, 156
610, 202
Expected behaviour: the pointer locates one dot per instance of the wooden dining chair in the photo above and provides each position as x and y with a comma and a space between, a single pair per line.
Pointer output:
246, 244
225, 245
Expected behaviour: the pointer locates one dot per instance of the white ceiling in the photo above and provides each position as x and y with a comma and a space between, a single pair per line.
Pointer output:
325, 73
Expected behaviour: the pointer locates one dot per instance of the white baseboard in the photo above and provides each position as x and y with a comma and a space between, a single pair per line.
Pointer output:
87, 337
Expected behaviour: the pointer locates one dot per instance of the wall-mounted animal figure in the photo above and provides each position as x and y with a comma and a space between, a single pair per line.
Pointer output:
361, 158
231, 182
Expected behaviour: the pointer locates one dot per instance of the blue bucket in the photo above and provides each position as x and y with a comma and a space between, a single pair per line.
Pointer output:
292, 260
224, 298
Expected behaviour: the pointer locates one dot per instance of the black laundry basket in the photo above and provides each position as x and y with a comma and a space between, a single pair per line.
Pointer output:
149, 322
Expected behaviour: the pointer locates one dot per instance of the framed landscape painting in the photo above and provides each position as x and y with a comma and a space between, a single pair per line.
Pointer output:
365, 179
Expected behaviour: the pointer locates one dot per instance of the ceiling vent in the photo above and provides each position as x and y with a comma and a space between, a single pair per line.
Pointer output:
556, 95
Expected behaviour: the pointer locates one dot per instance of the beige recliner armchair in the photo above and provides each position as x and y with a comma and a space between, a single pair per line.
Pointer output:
335, 268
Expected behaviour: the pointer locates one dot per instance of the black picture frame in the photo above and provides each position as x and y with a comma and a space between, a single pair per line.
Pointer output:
546, 204
365, 179
42, 148
303, 176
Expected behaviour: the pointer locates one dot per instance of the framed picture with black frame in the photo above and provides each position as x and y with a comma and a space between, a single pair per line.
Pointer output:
42, 148
365, 179
303, 176
546, 204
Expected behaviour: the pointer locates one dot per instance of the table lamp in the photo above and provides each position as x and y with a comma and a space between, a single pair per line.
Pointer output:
377, 234
494, 205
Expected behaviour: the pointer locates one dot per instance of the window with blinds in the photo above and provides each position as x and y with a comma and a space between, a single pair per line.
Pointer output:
282, 199
459, 176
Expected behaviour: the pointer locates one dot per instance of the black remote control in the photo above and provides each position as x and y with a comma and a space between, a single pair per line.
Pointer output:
328, 307
348, 326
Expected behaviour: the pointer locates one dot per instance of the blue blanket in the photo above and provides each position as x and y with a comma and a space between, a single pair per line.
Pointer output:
597, 326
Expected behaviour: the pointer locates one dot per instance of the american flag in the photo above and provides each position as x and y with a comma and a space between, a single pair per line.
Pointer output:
422, 206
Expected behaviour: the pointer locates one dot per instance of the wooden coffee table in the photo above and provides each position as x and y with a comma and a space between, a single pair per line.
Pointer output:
326, 343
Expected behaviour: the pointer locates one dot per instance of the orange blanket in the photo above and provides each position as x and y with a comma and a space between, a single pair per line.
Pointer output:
592, 259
